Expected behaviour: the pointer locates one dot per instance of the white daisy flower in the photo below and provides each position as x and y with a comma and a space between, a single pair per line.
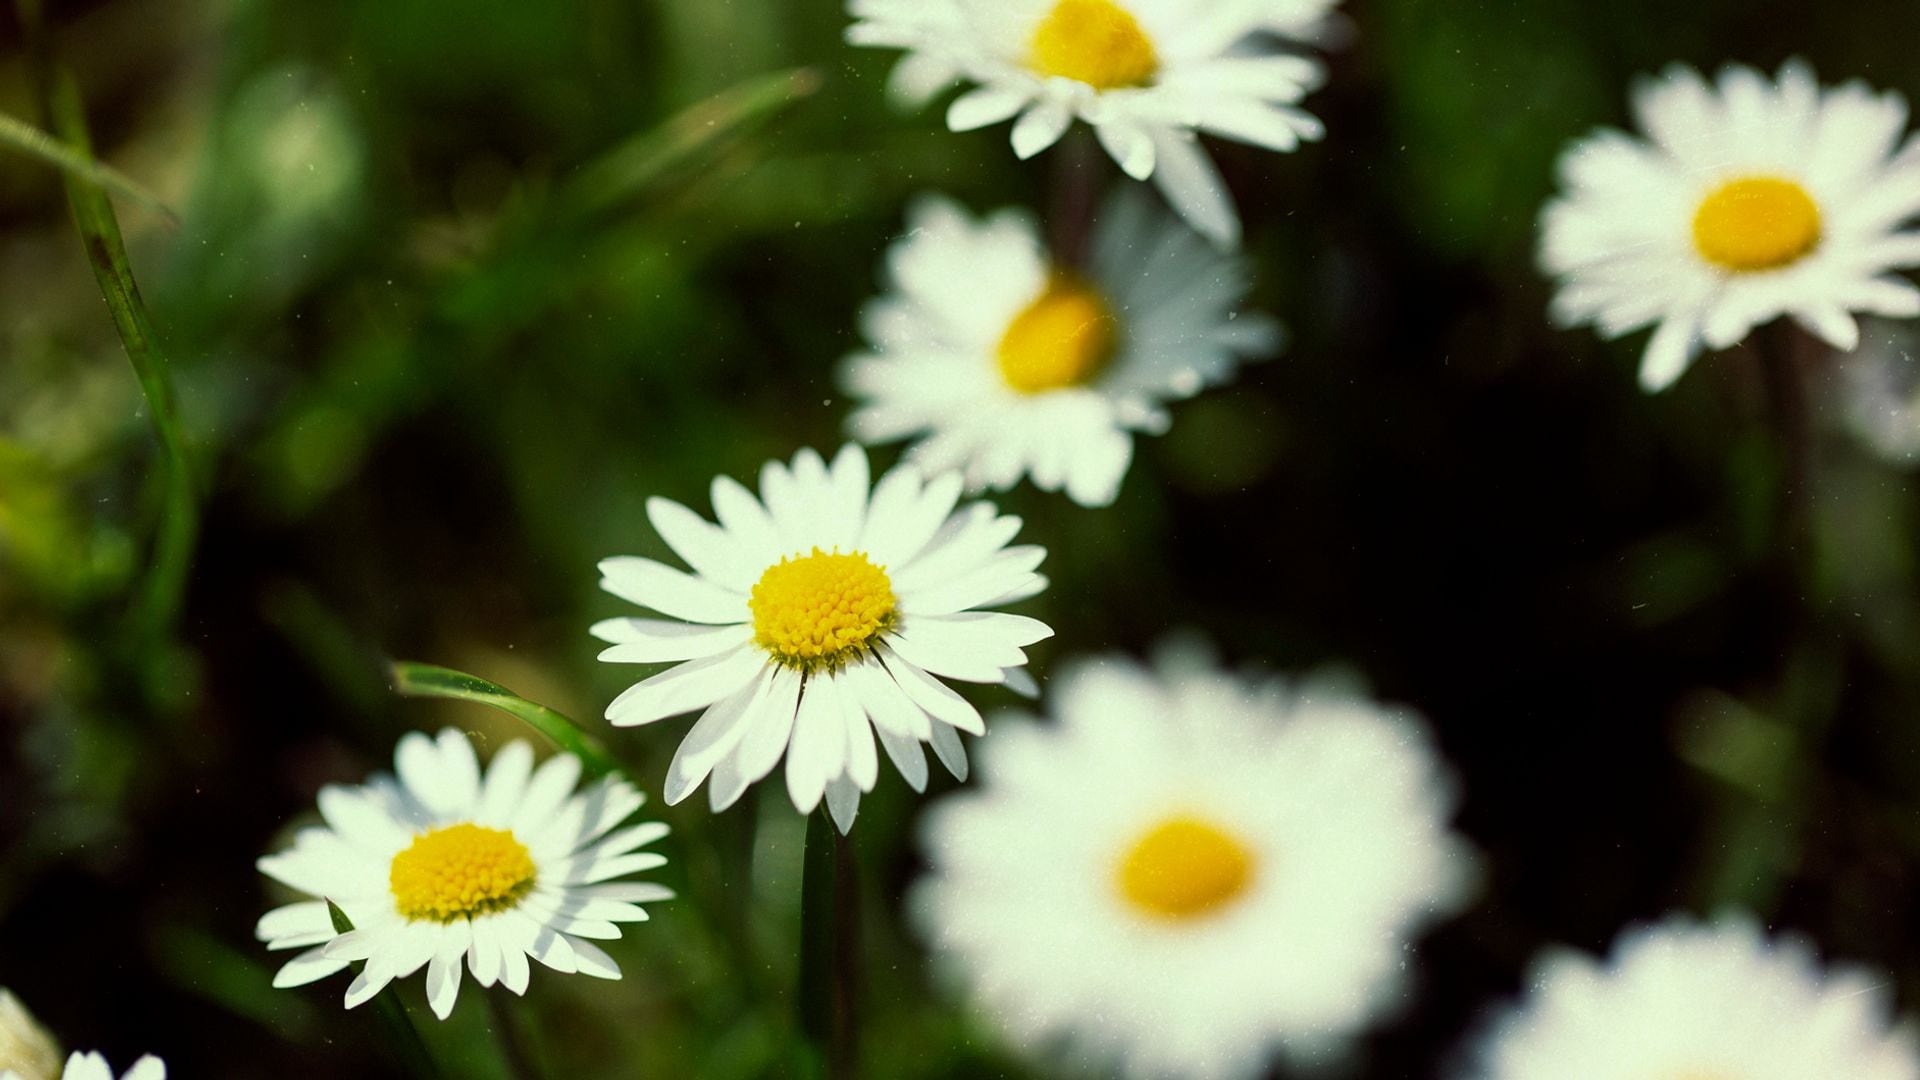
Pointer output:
94, 1067
1190, 871
27, 1050
1147, 75
819, 616
1010, 364
1683, 1001
1753, 200
441, 864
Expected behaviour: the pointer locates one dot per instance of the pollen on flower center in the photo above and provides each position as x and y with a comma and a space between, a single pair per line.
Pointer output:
1756, 223
1061, 339
460, 871
821, 608
1184, 868
1097, 42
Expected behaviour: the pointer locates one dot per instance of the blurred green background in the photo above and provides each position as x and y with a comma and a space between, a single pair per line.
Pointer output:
456, 287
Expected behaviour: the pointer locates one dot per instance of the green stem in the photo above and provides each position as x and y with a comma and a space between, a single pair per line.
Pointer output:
161, 594
829, 951
506, 1032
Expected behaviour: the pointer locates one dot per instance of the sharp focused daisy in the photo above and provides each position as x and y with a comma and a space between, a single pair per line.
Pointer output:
1010, 364
94, 1067
1147, 75
1191, 871
1752, 200
1683, 1001
440, 865
817, 617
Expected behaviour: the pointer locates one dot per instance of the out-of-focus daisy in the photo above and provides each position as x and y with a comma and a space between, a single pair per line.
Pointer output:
27, 1050
94, 1067
818, 616
1191, 871
1147, 75
1683, 1001
1747, 201
1010, 364
1880, 388
439, 865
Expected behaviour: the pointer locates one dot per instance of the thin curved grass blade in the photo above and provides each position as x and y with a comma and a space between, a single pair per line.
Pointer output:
412, 679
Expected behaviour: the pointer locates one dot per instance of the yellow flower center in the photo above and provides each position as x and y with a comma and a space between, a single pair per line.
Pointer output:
460, 871
1097, 42
1184, 868
821, 609
1062, 339
1756, 223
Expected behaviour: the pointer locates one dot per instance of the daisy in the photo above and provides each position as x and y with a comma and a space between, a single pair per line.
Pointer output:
1683, 1001
27, 1051
94, 1067
441, 864
817, 617
1010, 364
1147, 75
1748, 201
1190, 871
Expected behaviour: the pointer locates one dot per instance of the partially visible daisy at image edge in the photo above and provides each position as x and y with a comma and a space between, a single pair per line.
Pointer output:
441, 866
95, 1067
1148, 76
1686, 1000
1746, 200
1189, 872
817, 618
1002, 363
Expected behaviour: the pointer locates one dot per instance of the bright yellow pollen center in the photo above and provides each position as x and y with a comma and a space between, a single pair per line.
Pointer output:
1062, 339
1756, 223
460, 871
1184, 868
1095, 41
821, 608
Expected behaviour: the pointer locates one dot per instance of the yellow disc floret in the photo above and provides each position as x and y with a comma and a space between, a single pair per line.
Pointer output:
1061, 339
1097, 42
821, 609
1756, 223
1184, 868
460, 871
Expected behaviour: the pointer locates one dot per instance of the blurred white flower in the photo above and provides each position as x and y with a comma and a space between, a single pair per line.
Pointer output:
1880, 389
1147, 75
1684, 1001
1753, 200
94, 1067
27, 1051
1190, 871
440, 865
1009, 364
817, 616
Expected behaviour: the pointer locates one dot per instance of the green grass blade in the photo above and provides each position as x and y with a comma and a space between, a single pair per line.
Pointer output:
686, 140
412, 679
18, 135
403, 1039
165, 585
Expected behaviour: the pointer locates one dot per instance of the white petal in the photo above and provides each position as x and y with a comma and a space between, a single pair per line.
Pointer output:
686, 687
672, 592
936, 697
1040, 128
711, 552
714, 736
947, 747
817, 752
658, 641
984, 106
843, 803
306, 967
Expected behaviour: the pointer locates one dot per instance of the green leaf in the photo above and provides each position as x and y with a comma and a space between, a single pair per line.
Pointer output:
412, 679
403, 1039
686, 141
17, 134
160, 596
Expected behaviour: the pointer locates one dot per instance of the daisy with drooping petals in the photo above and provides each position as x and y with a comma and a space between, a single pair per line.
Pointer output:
440, 864
1685, 1001
818, 616
94, 1067
1752, 200
1009, 364
1190, 871
1147, 75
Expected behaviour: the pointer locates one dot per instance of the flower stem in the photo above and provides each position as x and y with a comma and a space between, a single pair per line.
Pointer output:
829, 951
507, 1033
402, 1038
